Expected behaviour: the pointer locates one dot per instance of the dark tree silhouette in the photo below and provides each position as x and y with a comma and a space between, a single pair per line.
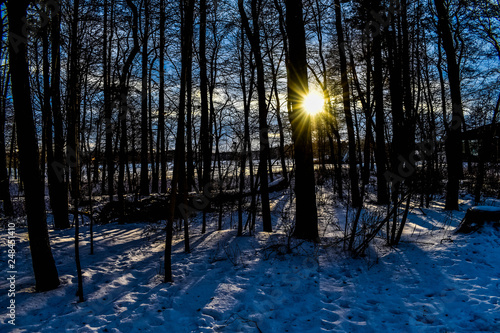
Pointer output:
44, 267
8, 209
144, 187
206, 149
353, 172
59, 197
254, 38
453, 144
161, 102
306, 217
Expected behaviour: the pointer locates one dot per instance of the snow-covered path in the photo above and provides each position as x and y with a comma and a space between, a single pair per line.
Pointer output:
434, 281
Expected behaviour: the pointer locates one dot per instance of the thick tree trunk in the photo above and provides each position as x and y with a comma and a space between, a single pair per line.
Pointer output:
44, 267
306, 221
453, 140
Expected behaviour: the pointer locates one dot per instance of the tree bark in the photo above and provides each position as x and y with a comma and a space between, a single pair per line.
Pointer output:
124, 106
144, 188
110, 165
254, 38
60, 201
206, 150
179, 182
44, 267
161, 102
378, 92
8, 209
353, 173
453, 143
73, 142
306, 218
153, 157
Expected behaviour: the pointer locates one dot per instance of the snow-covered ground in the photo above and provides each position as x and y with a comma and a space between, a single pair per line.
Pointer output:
434, 281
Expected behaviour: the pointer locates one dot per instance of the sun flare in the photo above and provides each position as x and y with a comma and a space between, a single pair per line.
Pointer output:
313, 103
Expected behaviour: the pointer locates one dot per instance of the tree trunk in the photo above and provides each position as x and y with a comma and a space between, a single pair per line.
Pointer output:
189, 127
153, 158
8, 209
254, 37
161, 102
453, 143
47, 128
124, 106
378, 93
485, 149
144, 106
73, 144
281, 148
243, 157
108, 108
206, 150
353, 173
59, 203
306, 220
179, 173
44, 267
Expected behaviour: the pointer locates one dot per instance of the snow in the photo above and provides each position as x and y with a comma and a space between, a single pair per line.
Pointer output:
486, 208
434, 281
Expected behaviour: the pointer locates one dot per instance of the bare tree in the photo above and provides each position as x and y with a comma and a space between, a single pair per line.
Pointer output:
254, 38
44, 267
8, 209
306, 218
453, 140
144, 188
206, 149
59, 198
353, 172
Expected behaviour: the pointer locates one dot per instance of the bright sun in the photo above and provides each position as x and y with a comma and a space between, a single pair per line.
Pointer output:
313, 103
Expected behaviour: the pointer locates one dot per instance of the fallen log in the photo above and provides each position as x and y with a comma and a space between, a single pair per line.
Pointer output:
477, 216
155, 208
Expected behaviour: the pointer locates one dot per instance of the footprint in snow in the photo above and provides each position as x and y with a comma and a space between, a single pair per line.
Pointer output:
356, 317
328, 315
396, 312
344, 304
372, 301
331, 297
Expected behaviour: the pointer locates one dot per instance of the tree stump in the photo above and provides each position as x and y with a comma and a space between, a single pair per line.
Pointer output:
477, 216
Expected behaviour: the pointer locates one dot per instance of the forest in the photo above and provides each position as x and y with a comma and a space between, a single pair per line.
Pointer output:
253, 134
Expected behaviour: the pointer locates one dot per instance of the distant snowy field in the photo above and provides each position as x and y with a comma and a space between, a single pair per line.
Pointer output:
434, 281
